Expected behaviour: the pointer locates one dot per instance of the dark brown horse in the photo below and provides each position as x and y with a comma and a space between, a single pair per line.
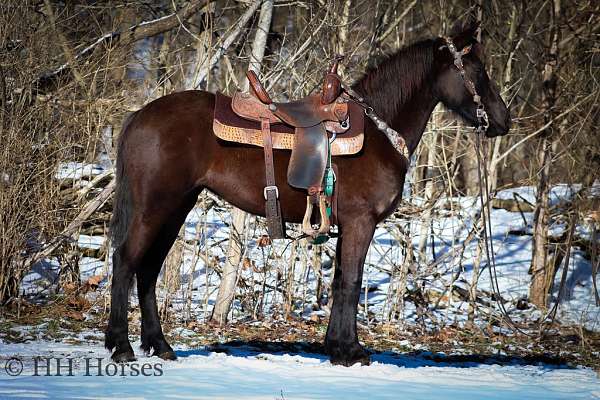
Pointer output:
168, 154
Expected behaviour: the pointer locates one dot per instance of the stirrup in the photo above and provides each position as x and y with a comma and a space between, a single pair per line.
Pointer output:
307, 228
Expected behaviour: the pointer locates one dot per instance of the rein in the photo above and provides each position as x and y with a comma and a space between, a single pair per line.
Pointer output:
482, 172
482, 126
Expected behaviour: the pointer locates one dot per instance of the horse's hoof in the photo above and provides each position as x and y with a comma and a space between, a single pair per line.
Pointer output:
348, 356
123, 356
167, 355
350, 361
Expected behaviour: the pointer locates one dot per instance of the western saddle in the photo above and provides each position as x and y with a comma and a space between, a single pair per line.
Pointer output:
309, 127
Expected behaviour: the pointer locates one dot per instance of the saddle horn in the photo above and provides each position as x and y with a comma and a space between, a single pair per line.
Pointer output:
258, 88
332, 84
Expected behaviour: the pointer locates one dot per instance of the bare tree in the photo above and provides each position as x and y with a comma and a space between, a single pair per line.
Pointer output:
238, 217
542, 271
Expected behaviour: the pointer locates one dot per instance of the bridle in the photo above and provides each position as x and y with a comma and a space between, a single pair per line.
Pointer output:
394, 137
482, 125
482, 117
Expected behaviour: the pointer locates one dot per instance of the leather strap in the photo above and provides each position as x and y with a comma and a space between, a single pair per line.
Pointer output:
334, 197
271, 192
258, 88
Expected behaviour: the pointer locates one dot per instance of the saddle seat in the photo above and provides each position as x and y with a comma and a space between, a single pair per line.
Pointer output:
237, 119
309, 127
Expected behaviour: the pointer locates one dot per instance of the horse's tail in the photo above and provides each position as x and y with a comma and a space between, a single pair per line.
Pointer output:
121, 217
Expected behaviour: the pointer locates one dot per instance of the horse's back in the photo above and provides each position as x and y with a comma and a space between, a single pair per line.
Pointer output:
170, 111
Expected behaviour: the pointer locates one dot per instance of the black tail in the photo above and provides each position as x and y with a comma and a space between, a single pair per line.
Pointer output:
121, 217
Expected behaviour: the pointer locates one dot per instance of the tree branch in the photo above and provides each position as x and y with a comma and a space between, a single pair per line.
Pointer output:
69, 232
47, 81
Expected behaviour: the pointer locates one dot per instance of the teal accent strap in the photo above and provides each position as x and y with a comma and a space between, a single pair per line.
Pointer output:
329, 178
320, 239
329, 182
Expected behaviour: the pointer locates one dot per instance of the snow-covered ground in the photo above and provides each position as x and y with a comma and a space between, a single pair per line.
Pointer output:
243, 374
206, 234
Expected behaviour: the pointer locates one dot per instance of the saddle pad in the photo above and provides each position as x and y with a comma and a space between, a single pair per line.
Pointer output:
230, 127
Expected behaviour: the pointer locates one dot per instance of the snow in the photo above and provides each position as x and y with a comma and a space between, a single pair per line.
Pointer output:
90, 242
245, 374
206, 234
76, 170
513, 255
558, 194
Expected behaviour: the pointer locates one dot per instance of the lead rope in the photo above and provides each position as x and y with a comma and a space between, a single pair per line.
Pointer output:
551, 314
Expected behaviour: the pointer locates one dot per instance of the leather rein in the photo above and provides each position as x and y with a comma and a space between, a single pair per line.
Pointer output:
481, 128
482, 125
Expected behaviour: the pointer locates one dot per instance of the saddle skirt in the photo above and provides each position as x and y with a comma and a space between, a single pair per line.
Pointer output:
237, 119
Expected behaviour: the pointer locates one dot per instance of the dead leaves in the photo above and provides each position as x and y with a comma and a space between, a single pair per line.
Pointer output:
78, 303
76, 315
248, 263
92, 283
264, 241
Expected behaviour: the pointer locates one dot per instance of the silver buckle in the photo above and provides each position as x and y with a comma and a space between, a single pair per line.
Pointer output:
345, 123
481, 112
267, 188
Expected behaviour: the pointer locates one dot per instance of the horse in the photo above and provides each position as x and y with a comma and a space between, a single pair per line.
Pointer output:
168, 154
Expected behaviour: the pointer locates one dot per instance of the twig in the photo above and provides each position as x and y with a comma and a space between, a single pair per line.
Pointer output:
121, 38
69, 232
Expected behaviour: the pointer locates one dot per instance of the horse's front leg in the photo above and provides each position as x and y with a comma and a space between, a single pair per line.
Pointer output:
341, 342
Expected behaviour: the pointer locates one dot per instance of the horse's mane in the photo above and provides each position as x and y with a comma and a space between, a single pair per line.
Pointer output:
390, 84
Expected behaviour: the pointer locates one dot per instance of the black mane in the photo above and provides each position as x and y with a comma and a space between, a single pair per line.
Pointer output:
389, 85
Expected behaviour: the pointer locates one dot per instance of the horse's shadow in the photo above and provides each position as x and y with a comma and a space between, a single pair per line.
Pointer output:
413, 359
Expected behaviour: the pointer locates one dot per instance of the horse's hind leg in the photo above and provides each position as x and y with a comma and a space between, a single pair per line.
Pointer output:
127, 259
152, 334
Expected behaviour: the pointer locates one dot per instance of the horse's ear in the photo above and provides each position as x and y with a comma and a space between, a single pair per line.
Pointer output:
464, 34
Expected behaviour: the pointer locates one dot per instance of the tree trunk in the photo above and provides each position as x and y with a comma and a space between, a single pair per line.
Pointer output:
480, 240
495, 170
50, 79
342, 36
228, 41
540, 268
234, 252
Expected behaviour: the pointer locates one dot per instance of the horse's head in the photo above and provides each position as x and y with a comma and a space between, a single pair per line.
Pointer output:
454, 91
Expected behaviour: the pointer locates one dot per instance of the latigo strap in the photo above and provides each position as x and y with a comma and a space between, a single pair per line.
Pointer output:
271, 192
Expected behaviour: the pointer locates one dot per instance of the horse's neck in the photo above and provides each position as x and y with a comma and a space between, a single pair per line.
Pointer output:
411, 119
401, 91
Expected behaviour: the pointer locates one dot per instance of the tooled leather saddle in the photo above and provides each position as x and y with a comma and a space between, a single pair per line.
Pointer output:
309, 127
